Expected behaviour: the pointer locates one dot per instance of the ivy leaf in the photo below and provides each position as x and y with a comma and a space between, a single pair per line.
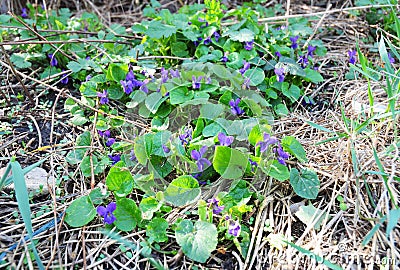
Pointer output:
290, 144
306, 184
119, 180
158, 30
198, 240
127, 214
183, 190
242, 35
156, 230
80, 212
229, 163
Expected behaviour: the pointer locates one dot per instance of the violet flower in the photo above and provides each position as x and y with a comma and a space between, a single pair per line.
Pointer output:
234, 228
175, 73
196, 43
294, 42
64, 79
246, 66
196, 82
282, 155
280, 74
246, 83
216, 35
115, 159
107, 212
214, 204
253, 164
164, 75
209, 80
200, 160
143, 87
132, 155
248, 45
303, 60
130, 83
225, 140
186, 137
391, 59
53, 60
225, 57
88, 77
110, 142
103, 97
165, 148
207, 41
105, 133
311, 50
24, 13
235, 109
278, 54
352, 56
268, 140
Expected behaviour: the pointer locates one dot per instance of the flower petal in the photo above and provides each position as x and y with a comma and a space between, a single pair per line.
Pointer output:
203, 149
111, 207
101, 210
109, 219
195, 155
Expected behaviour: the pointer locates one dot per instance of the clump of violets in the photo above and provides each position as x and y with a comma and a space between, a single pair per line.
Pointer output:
280, 74
235, 109
107, 212
234, 228
164, 75
130, 83
294, 44
249, 45
303, 60
225, 140
269, 140
105, 133
53, 60
110, 141
352, 56
310, 51
201, 162
246, 66
175, 73
214, 204
103, 97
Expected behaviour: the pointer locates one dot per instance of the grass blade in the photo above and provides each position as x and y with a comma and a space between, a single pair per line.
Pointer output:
21, 193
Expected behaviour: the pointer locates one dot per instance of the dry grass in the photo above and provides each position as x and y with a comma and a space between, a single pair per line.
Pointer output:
339, 238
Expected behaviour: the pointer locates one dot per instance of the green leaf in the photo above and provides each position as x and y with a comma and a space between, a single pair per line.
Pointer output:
229, 163
179, 49
156, 230
221, 71
276, 170
75, 156
20, 60
158, 30
86, 166
119, 180
127, 214
309, 214
149, 206
116, 72
80, 212
242, 35
293, 93
306, 184
74, 66
153, 101
182, 191
291, 145
256, 76
313, 76
145, 183
96, 196
393, 219
198, 240
180, 95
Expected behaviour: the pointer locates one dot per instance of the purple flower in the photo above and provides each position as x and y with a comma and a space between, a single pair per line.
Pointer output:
246, 83
225, 57
198, 157
352, 56
103, 97
294, 42
130, 83
164, 75
105, 133
207, 41
186, 137
214, 204
143, 87
225, 140
234, 228
175, 73
280, 74
133, 156
303, 61
24, 13
110, 142
209, 80
217, 36
64, 79
311, 50
130, 76
391, 59
278, 54
53, 60
196, 82
107, 212
246, 66
282, 155
88, 77
165, 148
235, 109
128, 86
115, 159
253, 164
248, 45
268, 140
196, 43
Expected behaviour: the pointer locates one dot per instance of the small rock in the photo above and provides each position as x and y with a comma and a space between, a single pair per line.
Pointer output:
34, 179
